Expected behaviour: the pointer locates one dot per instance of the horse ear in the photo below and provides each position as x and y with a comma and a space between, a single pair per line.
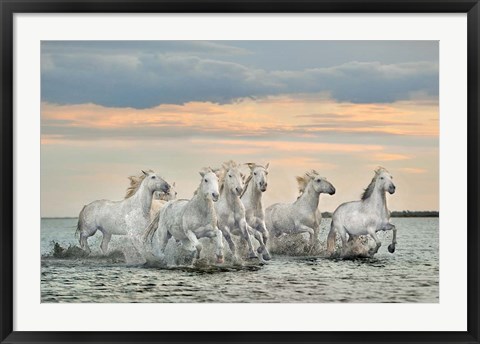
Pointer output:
309, 174
202, 173
217, 172
145, 173
251, 165
266, 166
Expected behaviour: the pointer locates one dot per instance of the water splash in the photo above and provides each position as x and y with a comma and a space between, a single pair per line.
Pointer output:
176, 254
73, 252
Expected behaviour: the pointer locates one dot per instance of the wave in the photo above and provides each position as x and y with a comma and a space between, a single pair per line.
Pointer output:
73, 252
297, 245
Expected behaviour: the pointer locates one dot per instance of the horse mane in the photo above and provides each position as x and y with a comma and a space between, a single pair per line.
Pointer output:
369, 190
303, 180
247, 181
135, 182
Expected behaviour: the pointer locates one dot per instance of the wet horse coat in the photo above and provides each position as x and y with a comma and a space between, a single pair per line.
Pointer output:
365, 217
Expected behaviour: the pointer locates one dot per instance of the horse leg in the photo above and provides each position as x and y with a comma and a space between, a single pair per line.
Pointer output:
331, 239
343, 235
138, 251
194, 241
219, 245
106, 239
391, 247
216, 234
163, 237
378, 243
85, 233
316, 231
262, 249
263, 230
246, 236
300, 228
228, 236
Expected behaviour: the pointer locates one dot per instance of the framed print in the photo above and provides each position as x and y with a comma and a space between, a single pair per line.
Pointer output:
216, 172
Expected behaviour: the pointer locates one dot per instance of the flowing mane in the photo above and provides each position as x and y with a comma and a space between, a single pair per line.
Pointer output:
247, 181
135, 182
369, 190
304, 180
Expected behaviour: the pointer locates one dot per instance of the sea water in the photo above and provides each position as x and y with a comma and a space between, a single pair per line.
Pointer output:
408, 275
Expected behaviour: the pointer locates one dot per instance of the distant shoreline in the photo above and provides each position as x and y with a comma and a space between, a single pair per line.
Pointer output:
403, 213
326, 214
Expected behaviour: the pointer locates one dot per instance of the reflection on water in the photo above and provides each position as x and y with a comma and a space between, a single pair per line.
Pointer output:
408, 275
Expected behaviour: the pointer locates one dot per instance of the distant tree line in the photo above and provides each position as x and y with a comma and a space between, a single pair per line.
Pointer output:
404, 213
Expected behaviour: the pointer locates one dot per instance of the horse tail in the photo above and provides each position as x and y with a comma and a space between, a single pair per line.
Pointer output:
80, 223
331, 238
151, 228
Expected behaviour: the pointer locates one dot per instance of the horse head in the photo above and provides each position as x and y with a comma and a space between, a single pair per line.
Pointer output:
320, 184
170, 195
209, 184
384, 180
232, 178
259, 175
153, 182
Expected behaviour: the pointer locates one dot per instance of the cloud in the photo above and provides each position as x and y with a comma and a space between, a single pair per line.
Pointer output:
413, 170
390, 157
267, 118
146, 75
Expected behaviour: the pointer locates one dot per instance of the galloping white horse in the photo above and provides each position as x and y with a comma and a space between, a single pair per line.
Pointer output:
230, 209
189, 220
301, 216
160, 198
120, 217
365, 217
255, 185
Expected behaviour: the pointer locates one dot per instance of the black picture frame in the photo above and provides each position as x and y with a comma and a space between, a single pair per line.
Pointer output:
10, 7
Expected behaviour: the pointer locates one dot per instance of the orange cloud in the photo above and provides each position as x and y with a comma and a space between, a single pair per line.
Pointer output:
289, 114
413, 170
390, 157
291, 146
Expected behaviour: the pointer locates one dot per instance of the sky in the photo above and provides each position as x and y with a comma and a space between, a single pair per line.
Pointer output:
112, 108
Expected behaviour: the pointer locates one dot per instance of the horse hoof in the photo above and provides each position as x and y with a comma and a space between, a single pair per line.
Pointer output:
267, 256
391, 248
252, 256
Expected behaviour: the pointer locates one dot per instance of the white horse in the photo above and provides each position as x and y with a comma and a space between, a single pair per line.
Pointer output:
120, 217
189, 220
301, 216
230, 209
365, 217
255, 185
160, 198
